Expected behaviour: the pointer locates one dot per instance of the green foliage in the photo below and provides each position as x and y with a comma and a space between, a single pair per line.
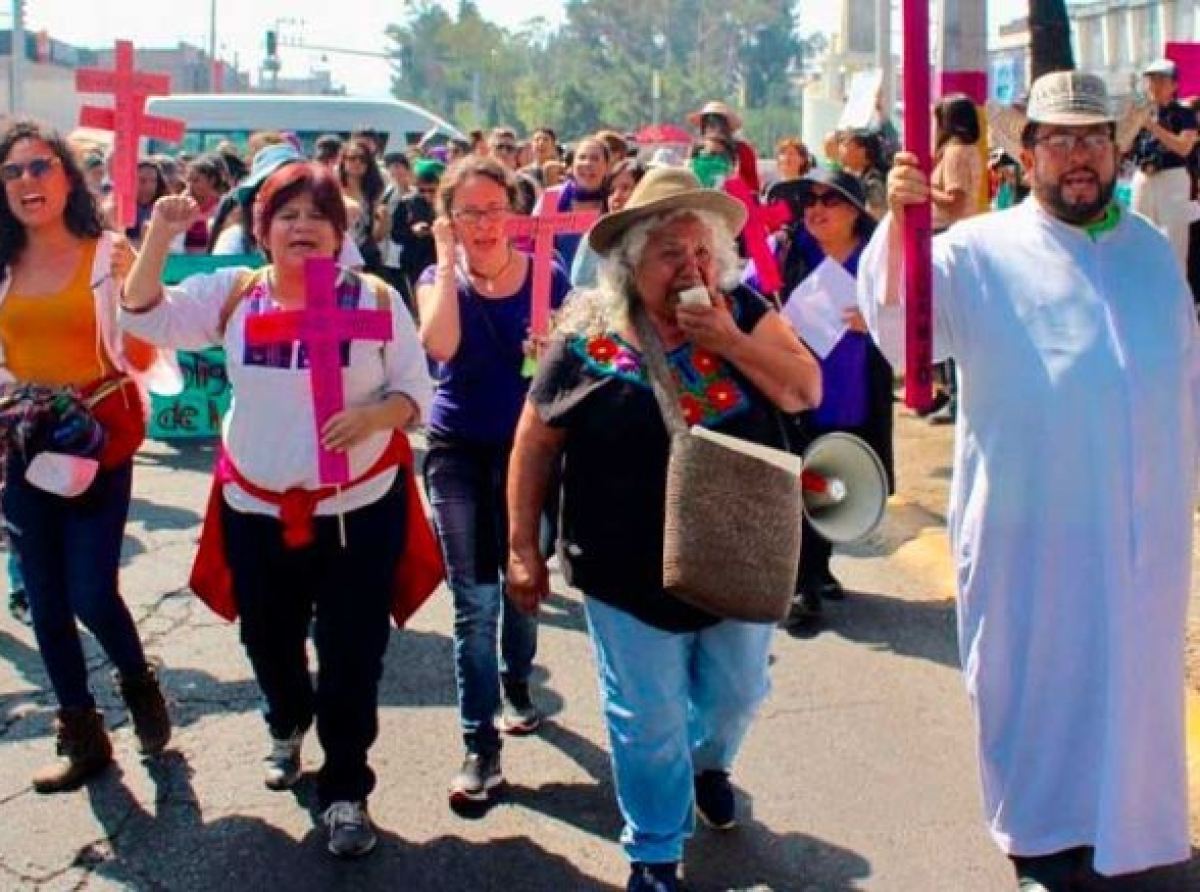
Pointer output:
597, 69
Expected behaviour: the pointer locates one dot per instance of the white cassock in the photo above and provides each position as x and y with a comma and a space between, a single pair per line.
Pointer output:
1070, 521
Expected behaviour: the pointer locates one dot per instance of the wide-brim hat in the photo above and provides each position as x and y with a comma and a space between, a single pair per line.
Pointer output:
843, 182
662, 190
716, 107
268, 160
1068, 99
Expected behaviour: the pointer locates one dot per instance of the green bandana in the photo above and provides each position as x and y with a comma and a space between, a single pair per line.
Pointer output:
711, 170
1107, 223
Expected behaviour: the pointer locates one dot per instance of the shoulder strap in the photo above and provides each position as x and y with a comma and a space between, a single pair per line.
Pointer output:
383, 291
243, 284
666, 394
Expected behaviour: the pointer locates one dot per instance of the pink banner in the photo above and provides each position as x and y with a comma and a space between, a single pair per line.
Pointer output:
1186, 57
761, 221
972, 83
540, 230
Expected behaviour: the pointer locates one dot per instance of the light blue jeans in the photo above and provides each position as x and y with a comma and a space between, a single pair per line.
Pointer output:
676, 704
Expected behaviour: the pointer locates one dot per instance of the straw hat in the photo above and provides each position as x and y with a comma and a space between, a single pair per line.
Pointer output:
716, 107
662, 190
1070, 99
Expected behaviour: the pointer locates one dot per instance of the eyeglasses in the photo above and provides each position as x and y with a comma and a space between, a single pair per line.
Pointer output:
362, 158
37, 168
1065, 143
830, 199
427, 190
504, 147
475, 216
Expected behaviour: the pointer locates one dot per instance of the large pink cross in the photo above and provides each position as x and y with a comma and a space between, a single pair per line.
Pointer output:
322, 326
918, 229
761, 221
541, 230
127, 119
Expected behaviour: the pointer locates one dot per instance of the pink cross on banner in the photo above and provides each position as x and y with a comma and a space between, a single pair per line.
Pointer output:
127, 120
918, 229
322, 326
761, 221
1186, 57
541, 231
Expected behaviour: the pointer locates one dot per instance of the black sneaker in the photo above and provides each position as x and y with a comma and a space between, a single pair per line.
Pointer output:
479, 776
805, 610
351, 833
831, 589
518, 715
645, 877
714, 799
18, 607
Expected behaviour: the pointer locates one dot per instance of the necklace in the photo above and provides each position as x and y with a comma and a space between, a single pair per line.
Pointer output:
489, 281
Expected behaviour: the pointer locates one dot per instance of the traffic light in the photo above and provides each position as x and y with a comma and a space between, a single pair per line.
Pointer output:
272, 44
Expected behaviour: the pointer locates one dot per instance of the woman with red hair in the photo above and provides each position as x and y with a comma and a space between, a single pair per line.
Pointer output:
295, 548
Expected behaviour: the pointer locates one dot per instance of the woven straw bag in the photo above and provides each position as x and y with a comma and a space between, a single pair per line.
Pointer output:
731, 543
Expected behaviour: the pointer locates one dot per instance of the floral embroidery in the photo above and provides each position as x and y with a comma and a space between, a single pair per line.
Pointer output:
708, 392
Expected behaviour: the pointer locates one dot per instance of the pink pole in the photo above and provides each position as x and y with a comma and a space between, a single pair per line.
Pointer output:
918, 329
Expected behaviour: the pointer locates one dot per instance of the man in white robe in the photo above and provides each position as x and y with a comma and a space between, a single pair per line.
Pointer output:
1073, 494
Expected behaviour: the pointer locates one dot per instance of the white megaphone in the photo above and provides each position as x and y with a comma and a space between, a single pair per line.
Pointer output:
845, 487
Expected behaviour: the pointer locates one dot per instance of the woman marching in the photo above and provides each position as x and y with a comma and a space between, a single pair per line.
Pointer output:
680, 686
58, 329
295, 548
476, 305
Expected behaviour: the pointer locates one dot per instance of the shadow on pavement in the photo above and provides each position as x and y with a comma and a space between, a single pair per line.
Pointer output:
175, 848
755, 857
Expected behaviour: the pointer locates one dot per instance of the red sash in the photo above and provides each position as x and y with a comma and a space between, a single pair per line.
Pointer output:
419, 570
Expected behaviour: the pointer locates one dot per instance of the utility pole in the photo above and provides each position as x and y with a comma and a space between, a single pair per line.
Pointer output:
16, 73
214, 68
883, 58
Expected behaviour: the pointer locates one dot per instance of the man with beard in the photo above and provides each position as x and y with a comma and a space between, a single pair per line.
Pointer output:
1071, 506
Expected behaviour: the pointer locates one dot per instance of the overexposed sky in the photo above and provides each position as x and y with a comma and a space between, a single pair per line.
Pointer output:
241, 26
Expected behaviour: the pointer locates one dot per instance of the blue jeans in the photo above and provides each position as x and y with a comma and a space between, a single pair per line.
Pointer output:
70, 551
466, 490
676, 704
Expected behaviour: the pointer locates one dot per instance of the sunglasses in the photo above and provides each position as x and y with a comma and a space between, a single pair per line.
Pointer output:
828, 199
37, 168
505, 147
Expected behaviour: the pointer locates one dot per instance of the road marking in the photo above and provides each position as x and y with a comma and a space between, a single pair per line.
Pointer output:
927, 552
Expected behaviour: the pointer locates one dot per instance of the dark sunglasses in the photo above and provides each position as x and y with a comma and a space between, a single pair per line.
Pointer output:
830, 199
38, 168
504, 147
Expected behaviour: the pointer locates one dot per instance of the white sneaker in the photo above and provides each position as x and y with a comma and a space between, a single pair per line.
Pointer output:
283, 763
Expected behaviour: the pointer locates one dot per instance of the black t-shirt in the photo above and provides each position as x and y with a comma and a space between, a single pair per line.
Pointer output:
615, 467
1149, 151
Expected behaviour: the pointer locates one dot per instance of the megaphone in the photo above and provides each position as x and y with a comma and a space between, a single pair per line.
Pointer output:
845, 487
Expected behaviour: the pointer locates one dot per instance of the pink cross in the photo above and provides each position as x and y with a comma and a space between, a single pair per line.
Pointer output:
761, 221
322, 326
127, 120
541, 231
918, 230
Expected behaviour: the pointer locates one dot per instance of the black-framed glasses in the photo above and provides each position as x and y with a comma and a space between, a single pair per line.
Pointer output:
1065, 143
505, 147
475, 216
829, 199
37, 168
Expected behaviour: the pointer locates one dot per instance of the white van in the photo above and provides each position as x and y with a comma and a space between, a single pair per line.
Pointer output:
212, 118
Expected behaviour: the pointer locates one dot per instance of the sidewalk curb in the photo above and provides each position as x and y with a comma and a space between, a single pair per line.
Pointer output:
928, 552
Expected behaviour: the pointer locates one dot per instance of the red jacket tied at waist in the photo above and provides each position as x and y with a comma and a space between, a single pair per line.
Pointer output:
419, 570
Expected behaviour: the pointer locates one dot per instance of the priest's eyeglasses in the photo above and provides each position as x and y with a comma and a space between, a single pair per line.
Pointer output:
1066, 143
38, 168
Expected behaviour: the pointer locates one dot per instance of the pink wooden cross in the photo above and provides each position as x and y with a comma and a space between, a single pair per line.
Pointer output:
541, 231
761, 221
322, 326
127, 120
918, 229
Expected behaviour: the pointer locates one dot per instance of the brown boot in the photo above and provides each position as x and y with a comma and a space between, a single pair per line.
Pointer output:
84, 751
148, 709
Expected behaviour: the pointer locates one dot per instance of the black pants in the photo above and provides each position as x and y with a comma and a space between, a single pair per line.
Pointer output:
279, 590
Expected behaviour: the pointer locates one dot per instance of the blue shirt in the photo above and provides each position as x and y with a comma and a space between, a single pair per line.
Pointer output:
480, 391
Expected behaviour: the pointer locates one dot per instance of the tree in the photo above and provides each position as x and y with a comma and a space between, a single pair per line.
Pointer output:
1049, 38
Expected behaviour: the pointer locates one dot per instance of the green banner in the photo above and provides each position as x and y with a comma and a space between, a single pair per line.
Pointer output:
196, 412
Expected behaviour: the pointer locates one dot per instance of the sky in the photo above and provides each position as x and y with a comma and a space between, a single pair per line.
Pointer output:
241, 26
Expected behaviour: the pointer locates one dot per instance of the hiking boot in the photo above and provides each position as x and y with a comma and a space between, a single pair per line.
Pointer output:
714, 800
351, 834
283, 762
84, 751
147, 709
479, 776
18, 606
518, 715
645, 877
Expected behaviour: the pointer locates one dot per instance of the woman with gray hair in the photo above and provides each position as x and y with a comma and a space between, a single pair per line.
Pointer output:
679, 686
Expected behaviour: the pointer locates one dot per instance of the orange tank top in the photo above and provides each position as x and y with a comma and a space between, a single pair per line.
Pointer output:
52, 338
